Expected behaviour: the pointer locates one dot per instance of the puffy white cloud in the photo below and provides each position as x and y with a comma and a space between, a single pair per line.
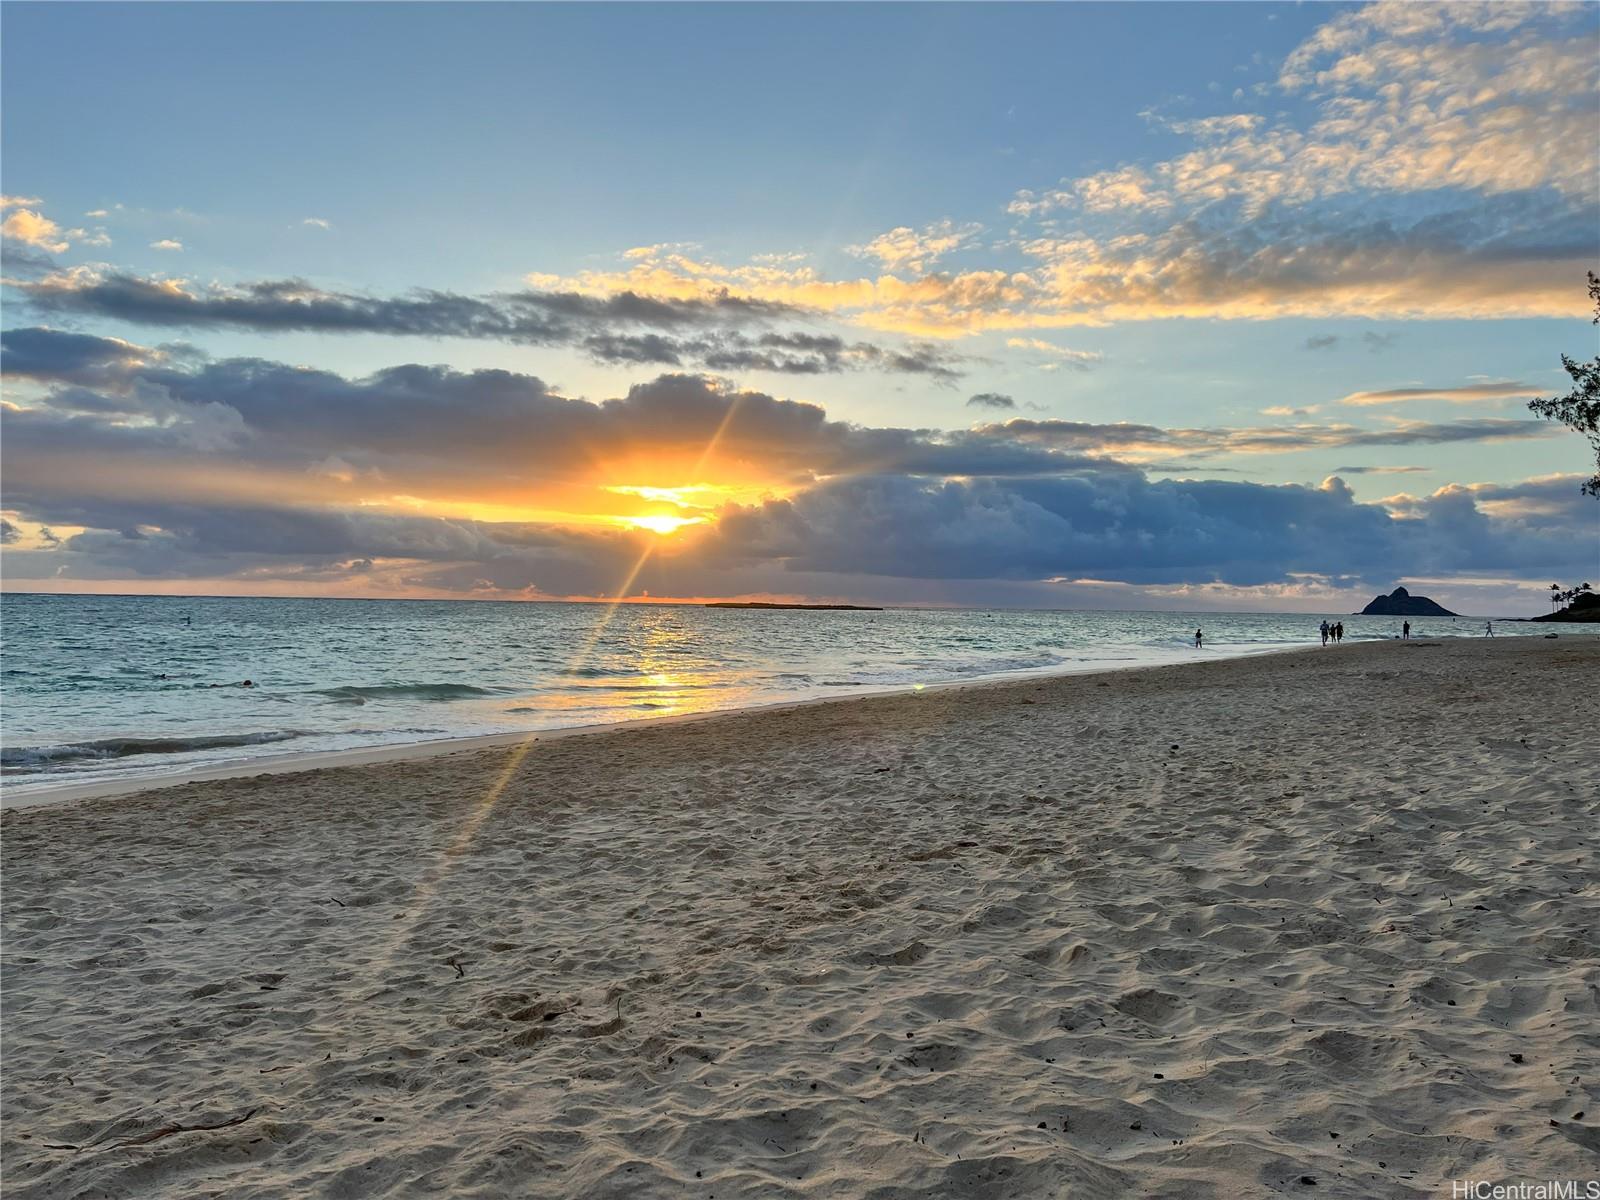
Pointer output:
908, 249
32, 228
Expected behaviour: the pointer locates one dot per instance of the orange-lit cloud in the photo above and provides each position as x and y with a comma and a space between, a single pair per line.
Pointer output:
159, 465
32, 229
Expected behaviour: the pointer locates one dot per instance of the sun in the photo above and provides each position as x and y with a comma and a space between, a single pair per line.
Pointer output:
661, 524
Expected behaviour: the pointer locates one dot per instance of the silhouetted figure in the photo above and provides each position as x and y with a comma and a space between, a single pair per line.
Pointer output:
1199, 638
1405, 631
1326, 629
1488, 629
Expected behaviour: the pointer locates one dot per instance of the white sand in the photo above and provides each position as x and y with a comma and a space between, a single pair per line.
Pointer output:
1188, 932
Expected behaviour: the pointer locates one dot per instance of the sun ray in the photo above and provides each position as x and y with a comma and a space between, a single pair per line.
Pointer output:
429, 888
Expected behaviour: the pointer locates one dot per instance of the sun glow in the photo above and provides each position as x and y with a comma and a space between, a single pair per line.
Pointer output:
659, 523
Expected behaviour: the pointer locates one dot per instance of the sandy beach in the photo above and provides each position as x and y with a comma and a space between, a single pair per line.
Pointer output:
1323, 923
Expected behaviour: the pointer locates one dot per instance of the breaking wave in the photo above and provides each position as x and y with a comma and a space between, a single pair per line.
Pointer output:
34, 758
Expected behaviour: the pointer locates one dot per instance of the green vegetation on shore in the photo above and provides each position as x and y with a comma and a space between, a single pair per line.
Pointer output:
1579, 603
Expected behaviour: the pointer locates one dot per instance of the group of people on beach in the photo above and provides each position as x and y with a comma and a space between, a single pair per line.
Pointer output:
1335, 632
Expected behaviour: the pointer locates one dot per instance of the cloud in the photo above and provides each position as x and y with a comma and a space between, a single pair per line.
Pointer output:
173, 466
784, 353
1148, 444
435, 428
27, 226
1380, 470
77, 358
621, 328
24, 263
430, 432
1216, 127
991, 400
1129, 529
317, 223
1405, 165
904, 248
167, 244
1517, 255
1402, 105
1438, 167
1473, 393
1060, 356
1375, 343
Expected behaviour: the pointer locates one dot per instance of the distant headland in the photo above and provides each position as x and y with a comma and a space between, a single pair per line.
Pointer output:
1585, 607
768, 604
1401, 603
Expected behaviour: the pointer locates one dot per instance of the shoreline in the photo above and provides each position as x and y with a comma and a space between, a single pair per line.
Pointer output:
1205, 933
291, 762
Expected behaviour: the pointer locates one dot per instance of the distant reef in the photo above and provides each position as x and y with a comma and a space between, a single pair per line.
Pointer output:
766, 604
1584, 608
1401, 603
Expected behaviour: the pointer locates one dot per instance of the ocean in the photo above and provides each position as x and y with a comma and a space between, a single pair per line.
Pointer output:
111, 687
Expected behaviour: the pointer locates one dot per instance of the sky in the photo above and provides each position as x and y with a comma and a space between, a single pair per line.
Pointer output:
1180, 306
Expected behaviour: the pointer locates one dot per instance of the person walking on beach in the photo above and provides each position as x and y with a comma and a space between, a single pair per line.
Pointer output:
1488, 629
1405, 631
1338, 632
1199, 637
1325, 633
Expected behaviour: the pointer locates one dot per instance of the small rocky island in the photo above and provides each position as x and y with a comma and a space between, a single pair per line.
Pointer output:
769, 604
1401, 603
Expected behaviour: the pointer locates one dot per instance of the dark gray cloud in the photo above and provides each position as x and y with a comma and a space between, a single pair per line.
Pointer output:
294, 305
1106, 525
174, 467
1374, 342
415, 424
24, 262
1131, 529
621, 328
991, 400
423, 425
57, 356
783, 353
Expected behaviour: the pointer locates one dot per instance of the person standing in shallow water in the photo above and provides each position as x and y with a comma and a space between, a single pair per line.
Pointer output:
1199, 638
1405, 631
